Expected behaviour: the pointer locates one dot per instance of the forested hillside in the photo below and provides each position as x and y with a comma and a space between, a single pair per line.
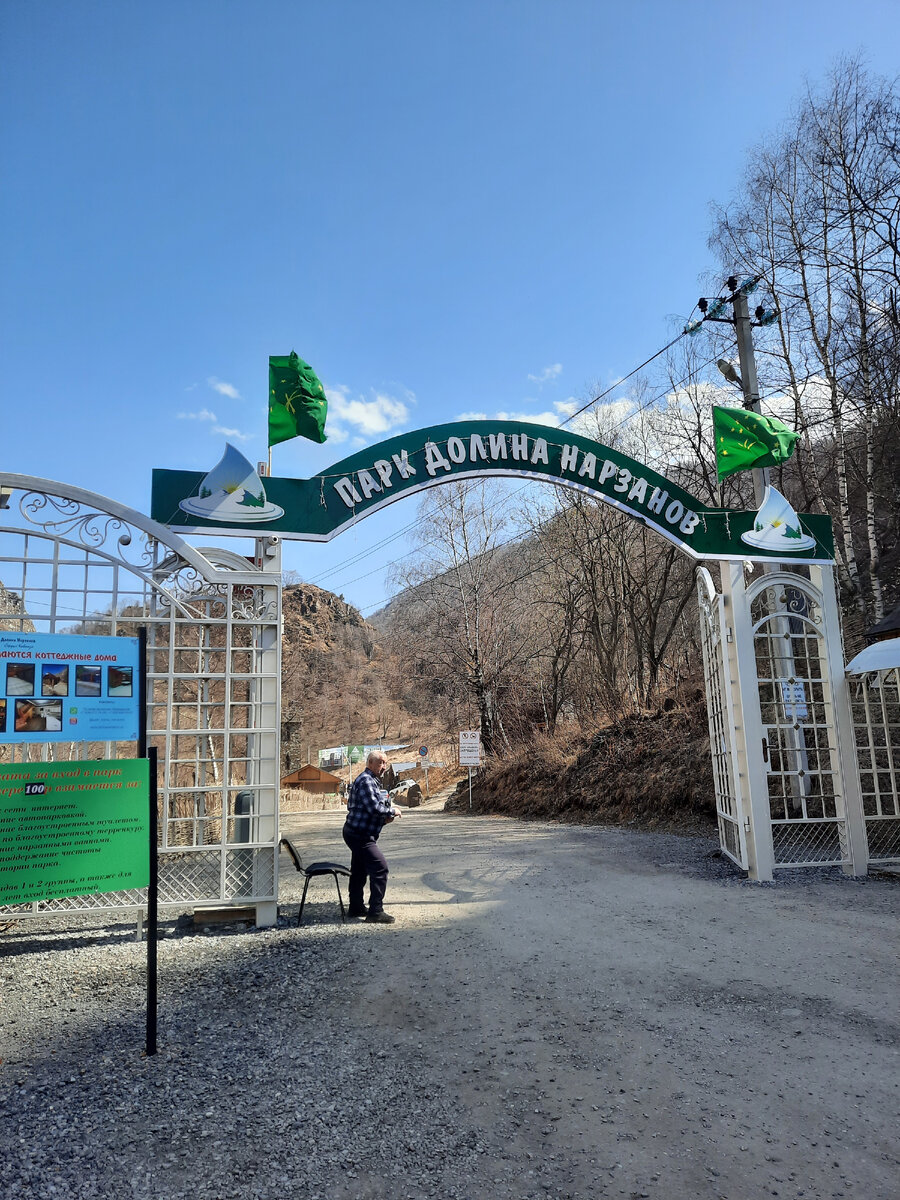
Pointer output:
338, 679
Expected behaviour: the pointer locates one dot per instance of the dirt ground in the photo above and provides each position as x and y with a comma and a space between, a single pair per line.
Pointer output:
560, 1011
620, 1014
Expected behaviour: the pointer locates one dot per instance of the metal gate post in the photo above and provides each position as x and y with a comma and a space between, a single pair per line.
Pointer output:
749, 732
845, 737
727, 778
267, 744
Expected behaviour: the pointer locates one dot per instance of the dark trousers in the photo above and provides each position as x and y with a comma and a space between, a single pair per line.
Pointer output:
366, 861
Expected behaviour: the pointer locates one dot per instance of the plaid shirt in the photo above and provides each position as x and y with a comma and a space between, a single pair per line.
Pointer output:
368, 806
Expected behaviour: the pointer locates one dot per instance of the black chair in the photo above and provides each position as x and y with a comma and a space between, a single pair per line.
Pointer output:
314, 869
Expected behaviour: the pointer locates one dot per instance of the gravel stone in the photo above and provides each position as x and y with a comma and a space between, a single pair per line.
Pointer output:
562, 1011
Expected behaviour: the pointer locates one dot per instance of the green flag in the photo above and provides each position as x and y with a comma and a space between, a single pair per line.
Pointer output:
747, 439
297, 402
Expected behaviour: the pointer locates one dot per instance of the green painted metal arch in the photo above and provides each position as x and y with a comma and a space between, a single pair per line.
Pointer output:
320, 508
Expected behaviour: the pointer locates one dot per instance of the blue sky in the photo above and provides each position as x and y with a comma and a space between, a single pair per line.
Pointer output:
444, 207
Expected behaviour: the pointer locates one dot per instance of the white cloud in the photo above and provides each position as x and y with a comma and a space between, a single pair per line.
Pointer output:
618, 410
224, 389
367, 418
555, 416
548, 373
543, 418
335, 433
233, 433
203, 415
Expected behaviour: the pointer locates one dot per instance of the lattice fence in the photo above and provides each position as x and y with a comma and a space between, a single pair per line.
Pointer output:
75, 563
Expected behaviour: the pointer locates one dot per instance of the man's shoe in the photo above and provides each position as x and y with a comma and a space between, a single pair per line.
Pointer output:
358, 912
381, 918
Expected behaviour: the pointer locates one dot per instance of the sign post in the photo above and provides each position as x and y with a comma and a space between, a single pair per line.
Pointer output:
79, 827
470, 753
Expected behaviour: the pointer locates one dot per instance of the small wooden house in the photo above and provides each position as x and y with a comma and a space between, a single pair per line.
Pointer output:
312, 779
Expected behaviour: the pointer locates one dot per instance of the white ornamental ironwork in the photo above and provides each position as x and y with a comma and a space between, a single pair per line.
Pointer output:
75, 562
875, 700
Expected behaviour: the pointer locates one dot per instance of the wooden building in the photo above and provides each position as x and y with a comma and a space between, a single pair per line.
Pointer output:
312, 779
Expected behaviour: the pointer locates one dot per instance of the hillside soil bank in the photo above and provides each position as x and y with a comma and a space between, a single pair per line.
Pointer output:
648, 769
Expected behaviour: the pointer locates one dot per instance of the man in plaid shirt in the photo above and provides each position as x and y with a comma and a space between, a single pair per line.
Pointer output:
368, 811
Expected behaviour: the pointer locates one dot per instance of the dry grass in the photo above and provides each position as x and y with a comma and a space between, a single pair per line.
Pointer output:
650, 769
297, 800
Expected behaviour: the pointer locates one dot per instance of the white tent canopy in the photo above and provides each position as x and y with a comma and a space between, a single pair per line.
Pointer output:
882, 656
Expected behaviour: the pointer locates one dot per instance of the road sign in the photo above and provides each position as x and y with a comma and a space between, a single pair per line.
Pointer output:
423, 750
469, 748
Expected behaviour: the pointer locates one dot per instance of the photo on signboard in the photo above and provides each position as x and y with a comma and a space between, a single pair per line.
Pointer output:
38, 716
119, 681
54, 679
88, 681
2, 716
20, 679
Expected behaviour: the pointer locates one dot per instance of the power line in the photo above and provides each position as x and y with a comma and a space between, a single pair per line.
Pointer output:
670, 388
640, 408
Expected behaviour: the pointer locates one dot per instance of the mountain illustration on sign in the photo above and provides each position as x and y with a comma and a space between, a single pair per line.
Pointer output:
231, 492
777, 526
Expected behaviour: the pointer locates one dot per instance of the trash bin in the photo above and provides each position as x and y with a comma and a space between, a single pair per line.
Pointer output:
243, 811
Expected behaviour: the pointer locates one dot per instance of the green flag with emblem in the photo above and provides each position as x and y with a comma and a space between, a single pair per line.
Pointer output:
297, 402
747, 439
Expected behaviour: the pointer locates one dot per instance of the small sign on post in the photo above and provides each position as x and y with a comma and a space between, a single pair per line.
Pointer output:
470, 753
470, 748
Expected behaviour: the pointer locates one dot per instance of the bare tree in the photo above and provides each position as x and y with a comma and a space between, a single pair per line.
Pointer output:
464, 609
816, 219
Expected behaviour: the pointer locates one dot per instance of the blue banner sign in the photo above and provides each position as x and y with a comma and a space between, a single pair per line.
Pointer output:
62, 688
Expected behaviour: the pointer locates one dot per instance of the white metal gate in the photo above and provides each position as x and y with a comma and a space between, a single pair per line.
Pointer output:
796, 707
720, 711
73, 562
875, 701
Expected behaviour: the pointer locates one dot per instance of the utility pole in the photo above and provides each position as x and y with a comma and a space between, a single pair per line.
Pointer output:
743, 326
749, 381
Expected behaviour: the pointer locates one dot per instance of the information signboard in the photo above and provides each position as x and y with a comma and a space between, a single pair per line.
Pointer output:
333, 758
73, 829
68, 688
469, 748
794, 697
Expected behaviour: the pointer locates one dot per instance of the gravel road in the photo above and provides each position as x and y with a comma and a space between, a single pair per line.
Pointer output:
558, 1012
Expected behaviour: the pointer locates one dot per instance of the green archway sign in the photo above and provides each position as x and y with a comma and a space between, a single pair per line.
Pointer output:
233, 499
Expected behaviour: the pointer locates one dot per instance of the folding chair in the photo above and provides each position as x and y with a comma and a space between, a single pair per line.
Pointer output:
314, 869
